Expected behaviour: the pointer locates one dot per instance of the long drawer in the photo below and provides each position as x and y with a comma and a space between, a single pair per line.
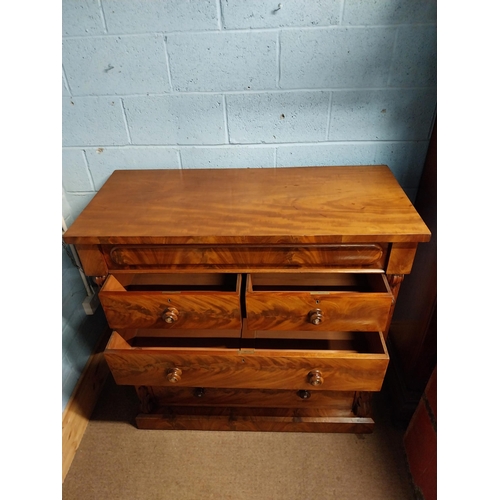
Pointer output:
353, 361
341, 401
173, 301
209, 257
312, 302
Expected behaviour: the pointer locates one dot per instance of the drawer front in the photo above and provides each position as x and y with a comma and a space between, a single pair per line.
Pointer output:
362, 256
172, 301
336, 366
341, 401
320, 302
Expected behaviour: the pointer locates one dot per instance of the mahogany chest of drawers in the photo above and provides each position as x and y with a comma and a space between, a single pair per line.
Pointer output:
250, 299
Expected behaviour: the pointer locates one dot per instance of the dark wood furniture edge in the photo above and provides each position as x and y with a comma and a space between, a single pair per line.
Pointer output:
245, 419
409, 370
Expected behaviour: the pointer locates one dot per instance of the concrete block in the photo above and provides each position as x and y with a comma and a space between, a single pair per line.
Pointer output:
68, 386
104, 161
383, 12
323, 155
67, 265
75, 174
223, 61
81, 17
228, 157
277, 117
415, 57
337, 57
65, 91
71, 279
115, 65
66, 209
70, 330
69, 220
180, 119
238, 14
73, 293
137, 16
387, 115
405, 159
81, 334
66, 369
78, 201
88, 121
77, 352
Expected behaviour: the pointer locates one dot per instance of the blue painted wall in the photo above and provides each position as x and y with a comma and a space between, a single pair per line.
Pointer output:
238, 83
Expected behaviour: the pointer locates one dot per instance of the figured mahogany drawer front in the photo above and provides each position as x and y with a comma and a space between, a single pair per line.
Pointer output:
173, 301
365, 256
164, 396
354, 361
318, 302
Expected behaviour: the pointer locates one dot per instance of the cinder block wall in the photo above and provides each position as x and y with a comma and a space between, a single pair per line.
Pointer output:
237, 83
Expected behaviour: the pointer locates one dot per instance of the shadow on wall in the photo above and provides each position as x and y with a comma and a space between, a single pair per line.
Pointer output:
80, 332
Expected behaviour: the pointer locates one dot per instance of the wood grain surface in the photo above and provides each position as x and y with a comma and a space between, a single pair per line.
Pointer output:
262, 367
341, 401
254, 419
341, 256
345, 302
300, 205
195, 308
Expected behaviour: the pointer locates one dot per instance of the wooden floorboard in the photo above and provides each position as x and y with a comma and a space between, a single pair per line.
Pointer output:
79, 409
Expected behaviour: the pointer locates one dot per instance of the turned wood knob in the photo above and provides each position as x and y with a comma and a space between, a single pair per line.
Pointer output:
315, 377
303, 394
174, 375
171, 315
316, 316
199, 392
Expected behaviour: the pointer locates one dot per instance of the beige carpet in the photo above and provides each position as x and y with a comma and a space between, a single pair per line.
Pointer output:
116, 461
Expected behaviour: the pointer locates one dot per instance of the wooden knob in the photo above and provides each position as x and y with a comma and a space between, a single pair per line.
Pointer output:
199, 392
315, 377
174, 375
171, 315
316, 316
303, 394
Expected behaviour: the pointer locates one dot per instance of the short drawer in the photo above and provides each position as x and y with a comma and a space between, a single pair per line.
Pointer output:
173, 301
354, 361
318, 302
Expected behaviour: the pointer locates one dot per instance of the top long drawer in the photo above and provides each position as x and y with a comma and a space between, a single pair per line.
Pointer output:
370, 256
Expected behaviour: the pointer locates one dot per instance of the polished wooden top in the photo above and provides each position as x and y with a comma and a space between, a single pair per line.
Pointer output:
298, 205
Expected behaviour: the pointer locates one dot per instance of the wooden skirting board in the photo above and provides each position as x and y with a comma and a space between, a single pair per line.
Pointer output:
77, 413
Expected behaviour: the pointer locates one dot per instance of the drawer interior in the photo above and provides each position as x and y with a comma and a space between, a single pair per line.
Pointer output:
342, 342
185, 343
172, 282
346, 342
310, 282
138, 339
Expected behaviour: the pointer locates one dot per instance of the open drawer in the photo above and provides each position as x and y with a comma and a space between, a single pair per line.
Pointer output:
174, 301
352, 361
312, 302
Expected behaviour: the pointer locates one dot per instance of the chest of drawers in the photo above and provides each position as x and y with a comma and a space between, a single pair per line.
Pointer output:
250, 299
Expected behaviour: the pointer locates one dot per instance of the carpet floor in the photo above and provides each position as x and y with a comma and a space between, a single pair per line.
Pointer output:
116, 461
